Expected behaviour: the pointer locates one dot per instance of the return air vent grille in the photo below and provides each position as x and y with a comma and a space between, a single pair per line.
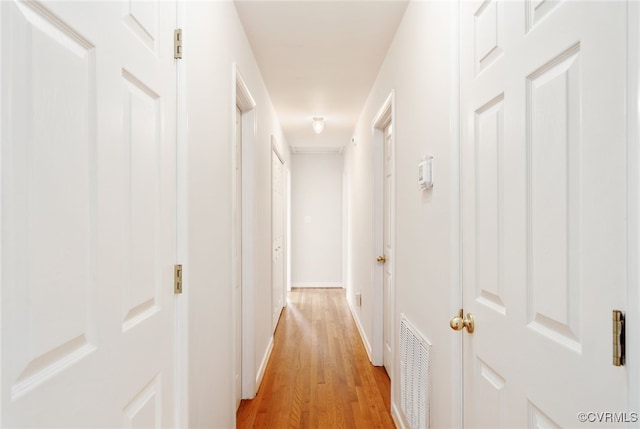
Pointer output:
415, 376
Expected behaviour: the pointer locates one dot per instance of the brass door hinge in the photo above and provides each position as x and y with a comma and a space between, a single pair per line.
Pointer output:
177, 279
177, 43
618, 338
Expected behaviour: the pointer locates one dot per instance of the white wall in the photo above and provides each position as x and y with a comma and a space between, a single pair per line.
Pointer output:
418, 69
316, 222
213, 40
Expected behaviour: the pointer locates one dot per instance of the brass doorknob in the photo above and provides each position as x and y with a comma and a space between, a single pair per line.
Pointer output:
459, 322
382, 259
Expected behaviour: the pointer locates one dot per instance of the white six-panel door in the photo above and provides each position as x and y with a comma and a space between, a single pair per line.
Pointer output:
88, 214
543, 209
387, 266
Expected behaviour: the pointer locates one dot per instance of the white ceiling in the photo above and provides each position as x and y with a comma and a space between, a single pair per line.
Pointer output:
319, 58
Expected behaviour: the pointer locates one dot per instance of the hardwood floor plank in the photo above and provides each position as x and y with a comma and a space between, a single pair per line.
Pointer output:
319, 375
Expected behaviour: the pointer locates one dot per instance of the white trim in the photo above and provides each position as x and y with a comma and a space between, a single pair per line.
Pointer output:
181, 302
242, 98
288, 225
363, 336
4, 98
264, 363
317, 150
345, 226
397, 417
633, 204
316, 285
455, 300
248, 251
385, 115
274, 147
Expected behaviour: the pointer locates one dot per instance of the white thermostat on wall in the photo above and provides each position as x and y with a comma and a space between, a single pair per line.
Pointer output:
425, 173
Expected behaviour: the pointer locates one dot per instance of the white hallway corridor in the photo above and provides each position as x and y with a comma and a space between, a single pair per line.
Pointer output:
484, 155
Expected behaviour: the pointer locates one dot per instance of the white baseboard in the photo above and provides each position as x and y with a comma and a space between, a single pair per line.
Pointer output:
396, 416
317, 284
263, 364
364, 338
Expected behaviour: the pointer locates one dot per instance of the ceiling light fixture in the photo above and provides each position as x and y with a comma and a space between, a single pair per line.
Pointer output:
318, 124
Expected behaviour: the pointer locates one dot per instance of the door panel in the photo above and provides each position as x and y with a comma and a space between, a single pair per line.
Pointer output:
554, 151
543, 209
88, 215
388, 249
46, 150
142, 150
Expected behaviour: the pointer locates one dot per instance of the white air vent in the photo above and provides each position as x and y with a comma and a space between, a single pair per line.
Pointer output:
415, 376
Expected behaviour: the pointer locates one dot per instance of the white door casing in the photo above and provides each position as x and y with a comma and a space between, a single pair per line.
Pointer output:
277, 235
247, 219
287, 231
88, 214
237, 216
633, 172
542, 98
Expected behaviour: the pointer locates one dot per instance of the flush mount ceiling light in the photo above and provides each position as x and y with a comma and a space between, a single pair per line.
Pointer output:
318, 124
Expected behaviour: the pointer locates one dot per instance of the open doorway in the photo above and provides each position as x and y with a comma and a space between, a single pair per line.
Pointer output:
243, 239
383, 128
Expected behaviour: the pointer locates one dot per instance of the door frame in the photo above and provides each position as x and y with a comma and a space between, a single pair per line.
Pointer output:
288, 229
455, 300
3, 97
181, 302
385, 116
241, 97
633, 203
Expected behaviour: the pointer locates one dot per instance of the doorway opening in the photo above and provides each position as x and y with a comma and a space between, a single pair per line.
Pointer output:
243, 206
384, 221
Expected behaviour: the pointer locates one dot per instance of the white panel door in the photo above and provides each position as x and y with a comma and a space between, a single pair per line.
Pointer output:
387, 271
277, 237
543, 209
88, 214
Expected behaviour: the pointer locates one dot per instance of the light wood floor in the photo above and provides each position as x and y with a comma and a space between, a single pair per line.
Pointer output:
319, 375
